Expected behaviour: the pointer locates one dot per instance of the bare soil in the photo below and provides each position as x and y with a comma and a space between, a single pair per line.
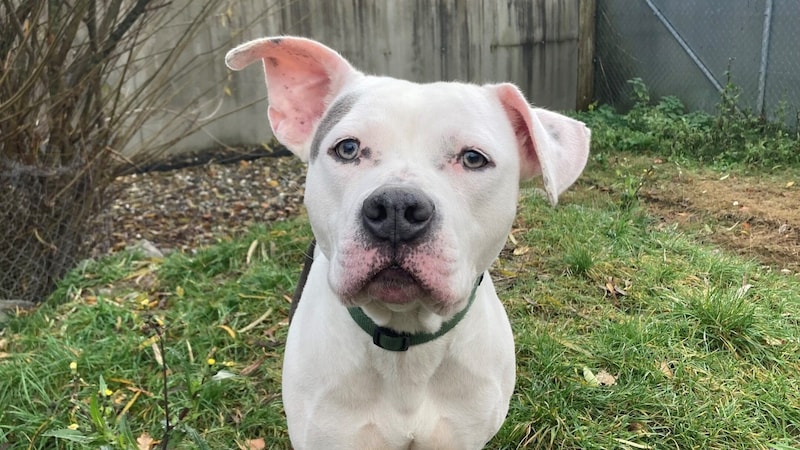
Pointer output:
757, 218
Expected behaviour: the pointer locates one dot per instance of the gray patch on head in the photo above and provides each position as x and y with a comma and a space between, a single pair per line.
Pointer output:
335, 113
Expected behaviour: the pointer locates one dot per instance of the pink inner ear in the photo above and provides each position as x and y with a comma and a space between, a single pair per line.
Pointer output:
302, 77
529, 164
518, 112
298, 88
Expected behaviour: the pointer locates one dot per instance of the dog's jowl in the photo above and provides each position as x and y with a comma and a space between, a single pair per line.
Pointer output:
399, 340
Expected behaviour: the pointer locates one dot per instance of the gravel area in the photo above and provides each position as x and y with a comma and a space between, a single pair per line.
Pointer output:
191, 207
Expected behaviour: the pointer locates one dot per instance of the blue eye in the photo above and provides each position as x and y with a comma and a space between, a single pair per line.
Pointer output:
347, 149
472, 159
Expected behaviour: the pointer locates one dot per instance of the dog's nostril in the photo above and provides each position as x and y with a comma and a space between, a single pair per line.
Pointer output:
375, 212
417, 214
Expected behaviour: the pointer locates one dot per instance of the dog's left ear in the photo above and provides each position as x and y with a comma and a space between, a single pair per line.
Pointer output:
303, 77
550, 144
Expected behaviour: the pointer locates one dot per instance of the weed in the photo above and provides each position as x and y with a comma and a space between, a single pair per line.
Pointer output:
732, 136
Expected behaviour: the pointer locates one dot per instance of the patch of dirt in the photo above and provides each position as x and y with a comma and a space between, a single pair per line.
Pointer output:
756, 218
196, 206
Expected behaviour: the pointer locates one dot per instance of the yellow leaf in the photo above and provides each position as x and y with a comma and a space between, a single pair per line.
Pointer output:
790, 184
521, 250
179, 291
229, 330
227, 91
507, 273
148, 342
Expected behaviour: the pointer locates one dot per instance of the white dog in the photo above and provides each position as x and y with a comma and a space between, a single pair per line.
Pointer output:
399, 340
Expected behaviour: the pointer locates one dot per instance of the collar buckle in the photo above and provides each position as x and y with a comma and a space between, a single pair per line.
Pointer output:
388, 339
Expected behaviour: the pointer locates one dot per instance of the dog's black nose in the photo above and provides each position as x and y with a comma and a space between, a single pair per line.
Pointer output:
397, 214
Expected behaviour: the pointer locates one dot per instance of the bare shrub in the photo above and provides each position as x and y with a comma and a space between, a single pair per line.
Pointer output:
78, 81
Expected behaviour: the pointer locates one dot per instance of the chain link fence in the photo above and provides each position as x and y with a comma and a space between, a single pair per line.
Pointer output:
48, 221
692, 48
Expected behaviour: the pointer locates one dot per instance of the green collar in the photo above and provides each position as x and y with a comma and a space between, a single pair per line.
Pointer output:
391, 340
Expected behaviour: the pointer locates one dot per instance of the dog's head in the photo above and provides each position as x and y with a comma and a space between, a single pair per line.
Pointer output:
411, 188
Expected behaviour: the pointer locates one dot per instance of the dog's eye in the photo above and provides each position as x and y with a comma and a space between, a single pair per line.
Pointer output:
347, 149
473, 159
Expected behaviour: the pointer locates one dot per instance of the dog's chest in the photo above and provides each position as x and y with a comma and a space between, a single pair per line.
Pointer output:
408, 403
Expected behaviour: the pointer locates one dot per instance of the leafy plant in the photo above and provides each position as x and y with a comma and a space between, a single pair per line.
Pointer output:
731, 136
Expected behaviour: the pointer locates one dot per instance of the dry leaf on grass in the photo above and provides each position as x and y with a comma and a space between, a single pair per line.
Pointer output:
521, 250
603, 378
253, 444
666, 368
145, 442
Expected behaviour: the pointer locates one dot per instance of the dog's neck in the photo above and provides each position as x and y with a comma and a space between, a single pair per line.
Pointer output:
390, 337
415, 319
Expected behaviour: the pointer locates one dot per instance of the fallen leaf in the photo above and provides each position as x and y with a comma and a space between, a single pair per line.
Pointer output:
612, 288
521, 250
774, 342
790, 184
605, 378
145, 442
253, 444
666, 368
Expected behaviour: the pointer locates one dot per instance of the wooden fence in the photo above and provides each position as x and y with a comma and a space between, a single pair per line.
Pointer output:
543, 46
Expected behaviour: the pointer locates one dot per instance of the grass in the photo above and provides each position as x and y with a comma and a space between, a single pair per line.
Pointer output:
697, 360
629, 334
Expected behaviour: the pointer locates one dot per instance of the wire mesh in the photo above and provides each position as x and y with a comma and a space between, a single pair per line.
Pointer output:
691, 48
47, 218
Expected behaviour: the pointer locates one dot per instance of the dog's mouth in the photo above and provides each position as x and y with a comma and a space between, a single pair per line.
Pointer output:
394, 284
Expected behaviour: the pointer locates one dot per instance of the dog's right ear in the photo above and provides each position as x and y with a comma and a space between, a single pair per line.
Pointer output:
303, 77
